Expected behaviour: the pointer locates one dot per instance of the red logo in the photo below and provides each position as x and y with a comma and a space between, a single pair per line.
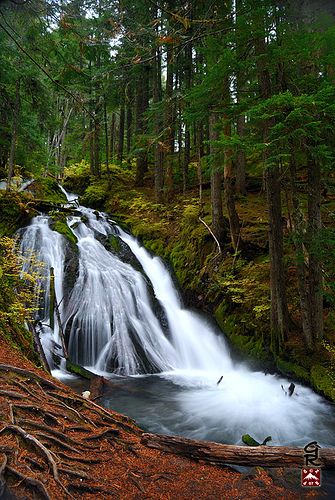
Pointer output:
311, 477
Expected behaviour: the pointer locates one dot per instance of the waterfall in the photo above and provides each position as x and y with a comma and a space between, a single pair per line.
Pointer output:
109, 316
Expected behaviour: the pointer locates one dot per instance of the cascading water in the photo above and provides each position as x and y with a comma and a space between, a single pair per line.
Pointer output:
110, 325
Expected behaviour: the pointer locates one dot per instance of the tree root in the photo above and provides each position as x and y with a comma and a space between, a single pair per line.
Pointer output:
107, 433
29, 374
58, 442
60, 435
75, 473
21, 432
12, 394
79, 459
30, 481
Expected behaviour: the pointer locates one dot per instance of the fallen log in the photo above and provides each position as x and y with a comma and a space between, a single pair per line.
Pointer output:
222, 454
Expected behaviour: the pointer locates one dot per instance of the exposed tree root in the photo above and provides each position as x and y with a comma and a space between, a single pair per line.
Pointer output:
29, 374
31, 481
12, 394
28, 437
107, 433
55, 440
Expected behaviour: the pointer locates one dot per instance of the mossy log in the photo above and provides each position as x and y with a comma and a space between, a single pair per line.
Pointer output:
222, 454
79, 370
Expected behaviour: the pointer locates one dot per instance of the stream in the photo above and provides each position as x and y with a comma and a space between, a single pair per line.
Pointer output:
124, 318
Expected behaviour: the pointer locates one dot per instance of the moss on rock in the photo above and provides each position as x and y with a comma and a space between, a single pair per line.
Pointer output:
47, 190
322, 381
62, 228
290, 368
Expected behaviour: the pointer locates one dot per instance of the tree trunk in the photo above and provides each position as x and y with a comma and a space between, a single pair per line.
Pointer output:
298, 235
112, 138
240, 83
222, 454
169, 124
159, 154
216, 179
142, 102
106, 137
241, 159
188, 83
279, 310
314, 262
15, 126
234, 221
129, 120
121, 133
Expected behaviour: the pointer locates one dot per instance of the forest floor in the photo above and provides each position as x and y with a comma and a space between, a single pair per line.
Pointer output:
55, 444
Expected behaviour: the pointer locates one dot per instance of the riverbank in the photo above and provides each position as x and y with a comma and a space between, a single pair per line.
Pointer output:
231, 286
55, 444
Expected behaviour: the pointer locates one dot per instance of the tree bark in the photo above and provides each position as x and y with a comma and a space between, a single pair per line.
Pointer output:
299, 236
169, 124
142, 102
129, 119
121, 132
216, 179
106, 137
15, 126
240, 83
279, 310
314, 262
158, 121
234, 221
112, 138
222, 454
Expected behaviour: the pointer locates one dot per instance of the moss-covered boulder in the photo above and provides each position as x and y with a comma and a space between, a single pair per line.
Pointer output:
47, 190
322, 381
290, 368
16, 211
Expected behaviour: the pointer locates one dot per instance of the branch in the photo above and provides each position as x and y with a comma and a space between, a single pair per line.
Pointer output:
79, 101
211, 232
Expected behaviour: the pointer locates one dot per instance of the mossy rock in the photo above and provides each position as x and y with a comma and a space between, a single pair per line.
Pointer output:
323, 381
62, 228
114, 243
220, 314
15, 212
290, 368
95, 195
47, 190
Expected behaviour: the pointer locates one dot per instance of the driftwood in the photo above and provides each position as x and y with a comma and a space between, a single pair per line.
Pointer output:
222, 454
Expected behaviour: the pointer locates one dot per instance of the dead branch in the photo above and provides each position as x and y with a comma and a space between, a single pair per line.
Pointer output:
211, 232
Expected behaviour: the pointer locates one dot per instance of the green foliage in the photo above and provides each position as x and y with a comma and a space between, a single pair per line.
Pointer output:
17, 298
15, 211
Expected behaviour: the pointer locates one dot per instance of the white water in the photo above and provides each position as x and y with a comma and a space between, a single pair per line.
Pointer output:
44, 249
111, 326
